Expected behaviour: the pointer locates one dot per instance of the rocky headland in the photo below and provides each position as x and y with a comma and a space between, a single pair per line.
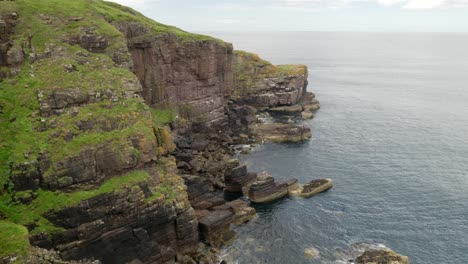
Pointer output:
118, 135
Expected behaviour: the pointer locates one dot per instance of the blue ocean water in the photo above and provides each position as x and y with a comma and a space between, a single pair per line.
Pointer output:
393, 135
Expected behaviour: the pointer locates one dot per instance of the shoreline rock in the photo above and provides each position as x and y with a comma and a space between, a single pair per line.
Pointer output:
282, 133
312, 188
265, 190
365, 253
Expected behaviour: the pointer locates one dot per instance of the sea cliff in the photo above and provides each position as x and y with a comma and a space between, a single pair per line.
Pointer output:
117, 132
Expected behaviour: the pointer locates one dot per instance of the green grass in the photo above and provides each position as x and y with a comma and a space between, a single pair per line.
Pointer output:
162, 116
13, 239
164, 192
249, 69
117, 13
17, 126
48, 200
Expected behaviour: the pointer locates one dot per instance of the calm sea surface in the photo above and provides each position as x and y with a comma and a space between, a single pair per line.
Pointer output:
392, 133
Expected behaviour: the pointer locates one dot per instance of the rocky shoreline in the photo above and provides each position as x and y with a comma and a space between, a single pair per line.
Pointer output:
119, 135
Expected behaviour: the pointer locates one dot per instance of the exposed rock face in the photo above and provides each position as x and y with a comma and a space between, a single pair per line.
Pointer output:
84, 127
237, 178
261, 84
121, 226
194, 76
215, 227
265, 190
10, 56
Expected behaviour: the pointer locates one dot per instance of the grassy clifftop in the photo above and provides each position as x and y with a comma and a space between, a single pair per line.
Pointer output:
249, 69
52, 20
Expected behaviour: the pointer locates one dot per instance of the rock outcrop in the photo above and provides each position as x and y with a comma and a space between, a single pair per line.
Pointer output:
194, 76
11, 56
259, 83
382, 256
280, 133
312, 188
364, 253
265, 189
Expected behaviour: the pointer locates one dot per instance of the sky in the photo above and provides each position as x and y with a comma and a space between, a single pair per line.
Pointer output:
308, 15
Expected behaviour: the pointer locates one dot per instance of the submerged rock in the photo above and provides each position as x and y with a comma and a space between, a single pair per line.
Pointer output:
311, 188
311, 252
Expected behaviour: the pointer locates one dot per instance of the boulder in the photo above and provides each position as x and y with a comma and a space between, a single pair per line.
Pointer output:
307, 114
382, 256
311, 188
265, 190
365, 253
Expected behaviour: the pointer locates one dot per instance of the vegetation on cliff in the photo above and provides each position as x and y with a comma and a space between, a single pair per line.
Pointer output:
249, 69
73, 90
13, 239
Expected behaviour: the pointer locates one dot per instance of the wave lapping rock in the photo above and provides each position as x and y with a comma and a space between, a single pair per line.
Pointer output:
312, 188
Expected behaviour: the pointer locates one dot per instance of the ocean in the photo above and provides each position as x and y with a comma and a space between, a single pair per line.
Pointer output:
392, 133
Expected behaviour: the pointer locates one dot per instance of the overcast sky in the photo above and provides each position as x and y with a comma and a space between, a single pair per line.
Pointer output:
308, 15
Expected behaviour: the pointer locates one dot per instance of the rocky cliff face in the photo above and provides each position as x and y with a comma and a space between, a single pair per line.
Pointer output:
194, 76
85, 163
88, 91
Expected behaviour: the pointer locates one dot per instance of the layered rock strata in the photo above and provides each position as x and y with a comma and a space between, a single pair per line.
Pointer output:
280, 133
312, 188
261, 84
196, 77
87, 166
265, 189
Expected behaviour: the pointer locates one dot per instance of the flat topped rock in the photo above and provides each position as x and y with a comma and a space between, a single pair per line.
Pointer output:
382, 256
282, 133
216, 219
287, 109
312, 188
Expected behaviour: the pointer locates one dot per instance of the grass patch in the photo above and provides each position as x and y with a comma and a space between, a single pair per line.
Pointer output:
162, 116
13, 240
121, 14
48, 200
249, 69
